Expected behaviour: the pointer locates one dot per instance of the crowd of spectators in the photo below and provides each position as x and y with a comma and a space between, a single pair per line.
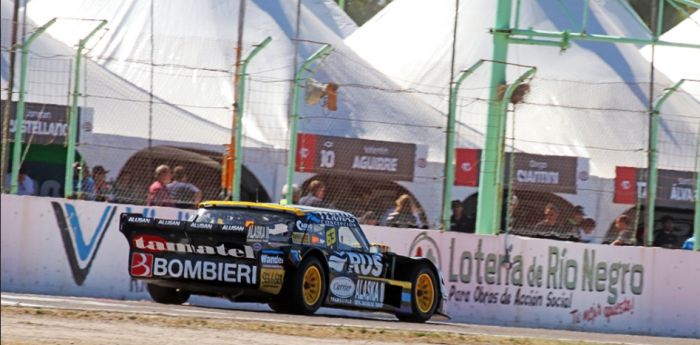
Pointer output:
171, 188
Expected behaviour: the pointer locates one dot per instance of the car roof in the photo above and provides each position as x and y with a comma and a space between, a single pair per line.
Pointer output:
299, 210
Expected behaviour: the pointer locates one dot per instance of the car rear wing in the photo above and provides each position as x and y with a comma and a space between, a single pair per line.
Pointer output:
184, 237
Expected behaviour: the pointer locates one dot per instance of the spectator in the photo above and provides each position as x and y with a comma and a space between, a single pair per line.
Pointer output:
185, 194
369, 218
586, 233
295, 194
25, 184
689, 243
664, 237
459, 222
404, 215
158, 194
125, 191
87, 184
100, 190
548, 227
625, 236
315, 196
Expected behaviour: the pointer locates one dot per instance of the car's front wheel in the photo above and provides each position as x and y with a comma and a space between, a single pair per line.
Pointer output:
424, 295
305, 290
166, 295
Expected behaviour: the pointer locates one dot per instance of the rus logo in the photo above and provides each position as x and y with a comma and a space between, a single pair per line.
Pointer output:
80, 254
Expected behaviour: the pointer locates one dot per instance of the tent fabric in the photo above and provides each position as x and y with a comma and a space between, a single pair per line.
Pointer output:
116, 106
590, 101
680, 63
194, 64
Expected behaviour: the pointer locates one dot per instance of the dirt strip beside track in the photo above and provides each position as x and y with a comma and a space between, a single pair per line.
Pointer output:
25, 325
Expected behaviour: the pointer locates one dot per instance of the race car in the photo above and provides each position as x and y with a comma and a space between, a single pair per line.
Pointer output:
294, 258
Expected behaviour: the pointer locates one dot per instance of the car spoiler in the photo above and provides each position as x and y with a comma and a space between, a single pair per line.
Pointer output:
136, 220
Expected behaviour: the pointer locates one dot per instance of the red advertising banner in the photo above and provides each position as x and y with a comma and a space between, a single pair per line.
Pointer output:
306, 152
467, 167
625, 185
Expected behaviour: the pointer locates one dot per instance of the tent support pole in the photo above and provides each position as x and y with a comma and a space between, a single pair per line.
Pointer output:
240, 90
653, 160
502, 130
449, 150
17, 149
73, 117
489, 196
294, 121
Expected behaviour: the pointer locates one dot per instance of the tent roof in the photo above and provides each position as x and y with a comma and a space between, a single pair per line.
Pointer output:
590, 101
680, 63
194, 64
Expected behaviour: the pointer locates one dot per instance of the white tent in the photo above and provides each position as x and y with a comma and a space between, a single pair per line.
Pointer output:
590, 101
680, 63
119, 110
194, 54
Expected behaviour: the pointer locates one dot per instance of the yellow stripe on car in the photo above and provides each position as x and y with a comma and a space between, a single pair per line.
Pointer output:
405, 285
243, 204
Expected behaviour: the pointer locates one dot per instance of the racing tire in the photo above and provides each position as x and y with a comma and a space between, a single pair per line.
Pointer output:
166, 295
305, 291
424, 295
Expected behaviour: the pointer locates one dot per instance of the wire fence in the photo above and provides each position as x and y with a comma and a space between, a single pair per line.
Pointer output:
575, 164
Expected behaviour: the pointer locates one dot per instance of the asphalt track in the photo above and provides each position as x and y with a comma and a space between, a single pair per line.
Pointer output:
325, 317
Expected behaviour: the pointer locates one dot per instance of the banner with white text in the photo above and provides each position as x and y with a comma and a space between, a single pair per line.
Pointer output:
68, 247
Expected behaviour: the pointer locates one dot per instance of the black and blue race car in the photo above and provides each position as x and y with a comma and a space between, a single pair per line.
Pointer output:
294, 258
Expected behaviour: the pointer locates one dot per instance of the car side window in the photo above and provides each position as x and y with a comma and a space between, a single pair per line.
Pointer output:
347, 241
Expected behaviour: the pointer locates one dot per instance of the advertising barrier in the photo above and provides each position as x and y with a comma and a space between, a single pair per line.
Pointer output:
67, 247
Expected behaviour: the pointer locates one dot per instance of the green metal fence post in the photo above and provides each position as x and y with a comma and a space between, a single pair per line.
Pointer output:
240, 88
449, 150
17, 149
489, 196
73, 118
688, 2
653, 159
502, 130
294, 121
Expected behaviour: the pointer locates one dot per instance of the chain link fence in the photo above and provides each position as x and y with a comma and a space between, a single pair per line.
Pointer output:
575, 167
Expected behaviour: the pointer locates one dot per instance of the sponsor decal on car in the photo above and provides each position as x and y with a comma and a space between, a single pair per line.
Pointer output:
232, 227
201, 226
361, 264
195, 270
156, 244
141, 265
257, 233
337, 263
168, 222
369, 293
271, 280
271, 261
343, 287
139, 220
299, 238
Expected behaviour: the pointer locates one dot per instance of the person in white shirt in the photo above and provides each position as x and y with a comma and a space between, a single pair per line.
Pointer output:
586, 233
25, 184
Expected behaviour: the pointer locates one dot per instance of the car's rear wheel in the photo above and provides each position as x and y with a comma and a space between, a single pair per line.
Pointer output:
166, 295
424, 295
303, 293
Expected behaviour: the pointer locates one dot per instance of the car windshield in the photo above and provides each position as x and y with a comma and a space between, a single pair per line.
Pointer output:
278, 224
344, 235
